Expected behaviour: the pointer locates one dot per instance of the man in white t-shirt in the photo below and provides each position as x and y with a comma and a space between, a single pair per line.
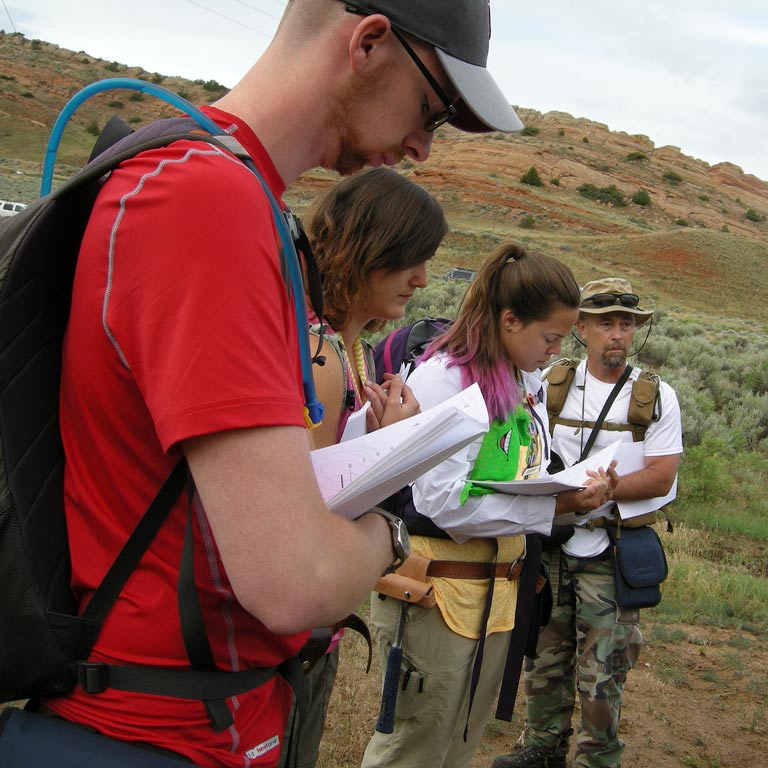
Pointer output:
590, 644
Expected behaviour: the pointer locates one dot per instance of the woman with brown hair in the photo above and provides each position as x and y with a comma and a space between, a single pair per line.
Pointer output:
372, 235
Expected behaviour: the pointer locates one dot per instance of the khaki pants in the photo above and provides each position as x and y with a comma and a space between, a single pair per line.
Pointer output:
436, 670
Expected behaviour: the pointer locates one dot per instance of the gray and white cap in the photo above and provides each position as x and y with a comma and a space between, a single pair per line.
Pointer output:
460, 33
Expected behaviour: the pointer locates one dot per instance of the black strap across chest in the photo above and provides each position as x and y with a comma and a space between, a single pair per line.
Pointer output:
604, 412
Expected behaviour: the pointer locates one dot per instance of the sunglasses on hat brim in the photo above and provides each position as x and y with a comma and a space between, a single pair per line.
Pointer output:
601, 300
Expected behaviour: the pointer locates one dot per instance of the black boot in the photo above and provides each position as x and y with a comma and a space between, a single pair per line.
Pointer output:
531, 756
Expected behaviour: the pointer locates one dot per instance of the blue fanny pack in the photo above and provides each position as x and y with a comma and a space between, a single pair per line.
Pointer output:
639, 566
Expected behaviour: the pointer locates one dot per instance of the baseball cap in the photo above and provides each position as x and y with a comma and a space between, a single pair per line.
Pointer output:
460, 33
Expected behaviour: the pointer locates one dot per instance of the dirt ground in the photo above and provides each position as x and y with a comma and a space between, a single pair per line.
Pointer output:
698, 697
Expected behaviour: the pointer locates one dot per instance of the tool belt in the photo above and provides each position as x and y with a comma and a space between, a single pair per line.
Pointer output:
410, 581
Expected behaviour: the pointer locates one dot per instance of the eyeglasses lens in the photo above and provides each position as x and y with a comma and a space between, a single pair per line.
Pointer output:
435, 121
450, 111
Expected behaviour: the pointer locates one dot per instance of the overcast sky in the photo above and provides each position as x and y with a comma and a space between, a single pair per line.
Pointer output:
690, 73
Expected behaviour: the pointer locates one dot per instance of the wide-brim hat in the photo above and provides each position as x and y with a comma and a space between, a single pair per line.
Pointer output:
460, 33
596, 299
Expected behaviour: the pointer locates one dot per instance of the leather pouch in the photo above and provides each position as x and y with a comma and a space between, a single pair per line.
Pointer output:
409, 582
559, 381
644, 392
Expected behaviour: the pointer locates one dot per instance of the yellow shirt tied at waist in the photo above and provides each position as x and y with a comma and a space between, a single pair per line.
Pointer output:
461, 601
510, 450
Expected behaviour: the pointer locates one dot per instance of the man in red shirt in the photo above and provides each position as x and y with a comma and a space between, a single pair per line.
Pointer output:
182, 341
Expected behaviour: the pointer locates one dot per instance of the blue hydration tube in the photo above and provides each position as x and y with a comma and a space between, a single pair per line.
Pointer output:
106, 85
313, 409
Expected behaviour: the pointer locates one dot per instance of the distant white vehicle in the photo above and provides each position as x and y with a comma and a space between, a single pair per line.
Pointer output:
8, 208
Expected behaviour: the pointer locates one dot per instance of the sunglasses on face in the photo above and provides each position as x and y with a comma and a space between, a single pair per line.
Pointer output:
433, 121
600, 300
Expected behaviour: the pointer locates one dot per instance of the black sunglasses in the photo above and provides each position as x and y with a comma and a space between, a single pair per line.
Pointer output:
434, 121
612, 299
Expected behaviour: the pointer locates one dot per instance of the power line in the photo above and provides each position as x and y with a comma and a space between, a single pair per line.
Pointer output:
8, 13
234, 21
258, 10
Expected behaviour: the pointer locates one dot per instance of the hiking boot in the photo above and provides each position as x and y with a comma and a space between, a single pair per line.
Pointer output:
531, 756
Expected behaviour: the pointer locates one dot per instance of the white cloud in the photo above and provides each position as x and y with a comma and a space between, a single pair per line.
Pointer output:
692, 73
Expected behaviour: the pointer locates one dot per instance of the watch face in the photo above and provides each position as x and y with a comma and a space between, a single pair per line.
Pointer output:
401, 540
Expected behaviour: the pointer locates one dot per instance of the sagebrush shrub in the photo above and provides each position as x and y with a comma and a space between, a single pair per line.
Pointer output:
532, 178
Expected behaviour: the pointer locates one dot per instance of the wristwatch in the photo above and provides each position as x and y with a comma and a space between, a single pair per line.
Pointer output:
401, 542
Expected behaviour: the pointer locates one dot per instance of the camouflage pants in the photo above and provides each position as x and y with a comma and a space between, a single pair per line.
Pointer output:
588, 646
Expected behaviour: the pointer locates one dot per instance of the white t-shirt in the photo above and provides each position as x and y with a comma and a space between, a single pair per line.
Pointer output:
436, 494
585, 400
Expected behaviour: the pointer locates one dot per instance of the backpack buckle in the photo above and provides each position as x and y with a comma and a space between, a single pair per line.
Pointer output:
290, 220
93, 677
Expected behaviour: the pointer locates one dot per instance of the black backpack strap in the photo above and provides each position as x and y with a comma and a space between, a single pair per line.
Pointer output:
311, 270
477, 664
198, 685
115, 130
527, 621
606, 407
133, 550
129, 147
205, 682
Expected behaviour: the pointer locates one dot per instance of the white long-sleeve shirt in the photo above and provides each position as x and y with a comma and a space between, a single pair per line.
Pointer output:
436, 494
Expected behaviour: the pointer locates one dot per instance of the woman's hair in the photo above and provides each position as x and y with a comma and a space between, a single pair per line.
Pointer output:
532, 285
373, 220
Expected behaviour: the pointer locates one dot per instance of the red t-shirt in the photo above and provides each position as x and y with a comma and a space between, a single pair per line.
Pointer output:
180, 326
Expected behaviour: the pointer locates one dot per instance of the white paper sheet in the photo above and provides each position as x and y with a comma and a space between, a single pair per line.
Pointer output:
355, 426
631, 459
357, 474
570, 479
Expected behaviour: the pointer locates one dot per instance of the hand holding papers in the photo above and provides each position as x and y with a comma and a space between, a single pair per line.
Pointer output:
356, 474
570, 479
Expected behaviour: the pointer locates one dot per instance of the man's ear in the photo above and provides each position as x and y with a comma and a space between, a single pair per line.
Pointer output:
368, 40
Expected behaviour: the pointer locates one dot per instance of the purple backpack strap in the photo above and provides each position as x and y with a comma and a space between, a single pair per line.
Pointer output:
390, 352
387, 352
407, 344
